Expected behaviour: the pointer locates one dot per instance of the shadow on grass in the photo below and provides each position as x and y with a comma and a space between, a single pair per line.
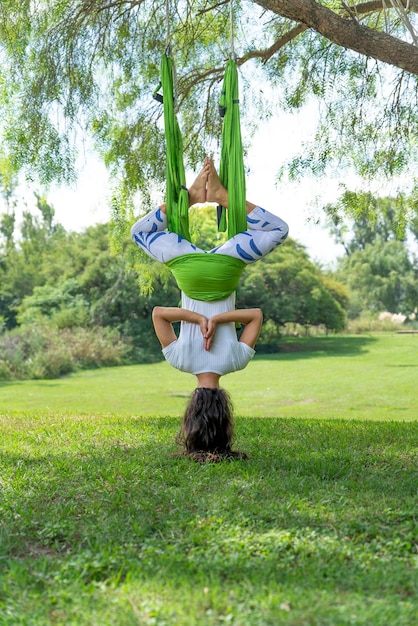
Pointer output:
327, 507
311, 347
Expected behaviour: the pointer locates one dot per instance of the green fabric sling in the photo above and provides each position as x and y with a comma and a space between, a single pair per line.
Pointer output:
177, 197
231, 170
208, 276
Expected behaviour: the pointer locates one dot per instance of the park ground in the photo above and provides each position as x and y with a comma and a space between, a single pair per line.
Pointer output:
100, 525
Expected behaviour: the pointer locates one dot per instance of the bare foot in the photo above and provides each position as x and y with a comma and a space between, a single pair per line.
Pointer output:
216, 192
197, 191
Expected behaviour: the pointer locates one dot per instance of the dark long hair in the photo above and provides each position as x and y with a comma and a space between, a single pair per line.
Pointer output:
207, 430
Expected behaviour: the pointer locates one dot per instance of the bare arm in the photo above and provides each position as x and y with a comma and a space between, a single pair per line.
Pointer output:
252, 318
163, 317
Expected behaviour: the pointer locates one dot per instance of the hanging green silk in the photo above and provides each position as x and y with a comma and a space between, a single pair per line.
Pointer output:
205, 277
231, 171
177, 197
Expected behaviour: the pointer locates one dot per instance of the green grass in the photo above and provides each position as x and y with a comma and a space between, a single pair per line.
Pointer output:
99, 525
358, 377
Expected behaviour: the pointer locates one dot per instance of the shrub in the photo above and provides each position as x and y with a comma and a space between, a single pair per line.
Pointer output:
96, 348
269, 340
43, 351
4, 370
369, 322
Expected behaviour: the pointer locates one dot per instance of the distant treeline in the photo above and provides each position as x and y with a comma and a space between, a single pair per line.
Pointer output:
69, 301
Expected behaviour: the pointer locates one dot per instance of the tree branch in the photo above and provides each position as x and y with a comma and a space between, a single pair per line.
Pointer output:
347, 32
214, 74
378, 5
275, 47
186, 83
213, 7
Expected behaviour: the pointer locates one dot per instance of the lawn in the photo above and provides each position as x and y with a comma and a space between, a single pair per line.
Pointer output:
357, 377
99, 525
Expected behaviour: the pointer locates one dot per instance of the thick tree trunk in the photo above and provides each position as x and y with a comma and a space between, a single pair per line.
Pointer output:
347, 32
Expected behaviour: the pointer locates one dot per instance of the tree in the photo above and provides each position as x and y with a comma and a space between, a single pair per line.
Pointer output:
413, 221
288, 287
360, 218
67, 280
381, 277
23, 255
94, 65
379, 267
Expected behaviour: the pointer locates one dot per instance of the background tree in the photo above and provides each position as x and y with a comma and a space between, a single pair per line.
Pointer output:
379, 267
360, 218
413, 221
67, 301
23, 254
381, 277
289, 288
71, 303
76, 64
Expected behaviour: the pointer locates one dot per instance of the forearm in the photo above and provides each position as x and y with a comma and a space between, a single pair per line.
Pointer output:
242, 316
177, 314
252, 318
163, 317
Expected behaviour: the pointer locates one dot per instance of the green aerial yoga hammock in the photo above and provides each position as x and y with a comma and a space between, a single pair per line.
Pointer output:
205, 277
231, 171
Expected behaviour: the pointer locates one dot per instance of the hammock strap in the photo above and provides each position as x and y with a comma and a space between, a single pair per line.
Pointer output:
231, 170
231, 31
177, 197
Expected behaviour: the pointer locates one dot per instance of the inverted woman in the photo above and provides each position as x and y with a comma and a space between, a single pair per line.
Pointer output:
207, 345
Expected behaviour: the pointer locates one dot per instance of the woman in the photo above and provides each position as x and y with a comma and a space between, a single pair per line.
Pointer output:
207, 345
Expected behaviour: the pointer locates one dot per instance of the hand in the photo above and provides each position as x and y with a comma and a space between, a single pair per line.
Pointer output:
210, 334
203, 323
